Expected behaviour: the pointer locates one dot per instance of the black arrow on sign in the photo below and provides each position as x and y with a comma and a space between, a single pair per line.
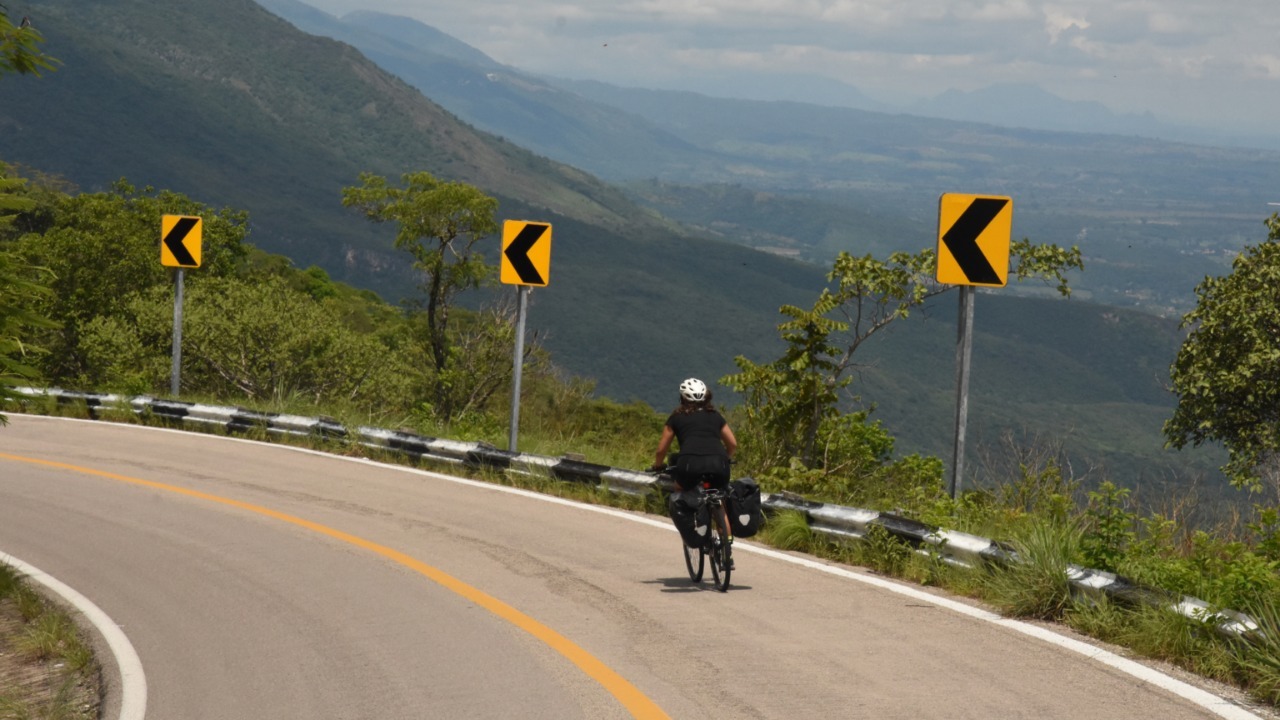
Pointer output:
518, 253
962, 239
173, 240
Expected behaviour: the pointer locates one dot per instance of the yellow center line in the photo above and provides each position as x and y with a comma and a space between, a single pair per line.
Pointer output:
627, 694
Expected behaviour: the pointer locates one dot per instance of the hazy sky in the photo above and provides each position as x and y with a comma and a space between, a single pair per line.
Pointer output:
1212, 63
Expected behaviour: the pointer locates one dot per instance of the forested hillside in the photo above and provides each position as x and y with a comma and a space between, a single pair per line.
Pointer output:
240, 109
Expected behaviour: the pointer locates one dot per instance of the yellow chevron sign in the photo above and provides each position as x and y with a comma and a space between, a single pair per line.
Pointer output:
526, 253
973, 239
180, 237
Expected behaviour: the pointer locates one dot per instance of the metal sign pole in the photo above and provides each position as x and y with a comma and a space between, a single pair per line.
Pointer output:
175, 376
518, 366
964, 349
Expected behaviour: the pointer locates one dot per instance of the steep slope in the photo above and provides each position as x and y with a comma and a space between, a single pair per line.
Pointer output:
500, 99
227, 99
232, 105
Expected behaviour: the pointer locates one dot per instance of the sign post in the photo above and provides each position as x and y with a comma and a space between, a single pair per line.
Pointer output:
180, 240
973, 250
526, 262
964, 351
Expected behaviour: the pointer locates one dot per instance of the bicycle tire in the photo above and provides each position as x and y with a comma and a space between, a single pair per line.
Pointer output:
694, 567
719, 558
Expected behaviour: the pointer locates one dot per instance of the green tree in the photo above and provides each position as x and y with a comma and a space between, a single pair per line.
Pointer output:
1227, 372
792, 403
20, 48
13, 199
19, 53
16, 323
245, 338
21, 287
440, 223
102, 248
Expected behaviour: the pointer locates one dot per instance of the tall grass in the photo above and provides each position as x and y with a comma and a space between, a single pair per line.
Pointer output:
49, 642
1036, 585
1259, 656
788, 530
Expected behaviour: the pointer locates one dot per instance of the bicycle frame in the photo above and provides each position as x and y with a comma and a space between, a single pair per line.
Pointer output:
717, 544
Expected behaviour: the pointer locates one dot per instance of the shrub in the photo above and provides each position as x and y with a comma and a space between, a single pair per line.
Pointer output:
884, 552
789, 530
1108, 527
1036, 586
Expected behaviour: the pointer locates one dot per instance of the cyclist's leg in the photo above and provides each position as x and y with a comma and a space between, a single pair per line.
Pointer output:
722, 516
726, 532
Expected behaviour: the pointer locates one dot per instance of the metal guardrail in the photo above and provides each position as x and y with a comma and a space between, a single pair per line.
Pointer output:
954, 547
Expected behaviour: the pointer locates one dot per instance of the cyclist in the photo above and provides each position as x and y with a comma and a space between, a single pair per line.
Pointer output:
707, 444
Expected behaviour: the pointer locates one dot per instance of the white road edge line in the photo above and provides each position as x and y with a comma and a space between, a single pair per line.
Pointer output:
133, 683
1218, 706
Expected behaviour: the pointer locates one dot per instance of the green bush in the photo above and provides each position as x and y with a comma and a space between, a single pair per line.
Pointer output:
1036, 585
884, 552
1266, 531
1108, 528
857, 468
789, 530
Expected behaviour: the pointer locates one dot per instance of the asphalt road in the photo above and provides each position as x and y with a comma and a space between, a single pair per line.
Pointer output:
258, 581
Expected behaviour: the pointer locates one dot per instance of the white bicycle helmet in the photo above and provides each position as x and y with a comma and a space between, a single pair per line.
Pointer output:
693, 390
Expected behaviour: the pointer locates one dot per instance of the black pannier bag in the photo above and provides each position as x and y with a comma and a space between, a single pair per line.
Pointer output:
689, 515
746, 514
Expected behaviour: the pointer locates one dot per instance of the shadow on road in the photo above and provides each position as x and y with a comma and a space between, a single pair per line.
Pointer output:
685, 585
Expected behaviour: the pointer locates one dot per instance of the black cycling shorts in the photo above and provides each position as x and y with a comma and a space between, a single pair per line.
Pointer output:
692, 469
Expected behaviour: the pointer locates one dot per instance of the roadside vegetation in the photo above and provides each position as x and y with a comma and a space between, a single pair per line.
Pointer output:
47, 668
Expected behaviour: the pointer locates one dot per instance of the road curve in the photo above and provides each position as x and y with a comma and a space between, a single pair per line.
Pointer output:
259, 581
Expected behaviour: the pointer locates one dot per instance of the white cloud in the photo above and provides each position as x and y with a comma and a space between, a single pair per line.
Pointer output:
1058, 21
1177, 58
1266, 65
1169, 24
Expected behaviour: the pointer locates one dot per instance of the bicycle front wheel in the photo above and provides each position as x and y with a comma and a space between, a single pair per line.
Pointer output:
694, 561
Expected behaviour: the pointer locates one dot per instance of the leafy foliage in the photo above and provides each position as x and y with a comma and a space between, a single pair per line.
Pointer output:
255, 328
102, 248
884, 552
439, 225
794, 429
19, 53
17, 322
1109, 528
20, 48
1227, 373
259, 340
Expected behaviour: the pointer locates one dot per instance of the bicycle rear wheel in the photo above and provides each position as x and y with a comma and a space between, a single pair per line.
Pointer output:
694, 561
719, 551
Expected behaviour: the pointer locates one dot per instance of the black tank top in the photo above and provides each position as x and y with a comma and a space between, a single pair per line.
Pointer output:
698, 432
